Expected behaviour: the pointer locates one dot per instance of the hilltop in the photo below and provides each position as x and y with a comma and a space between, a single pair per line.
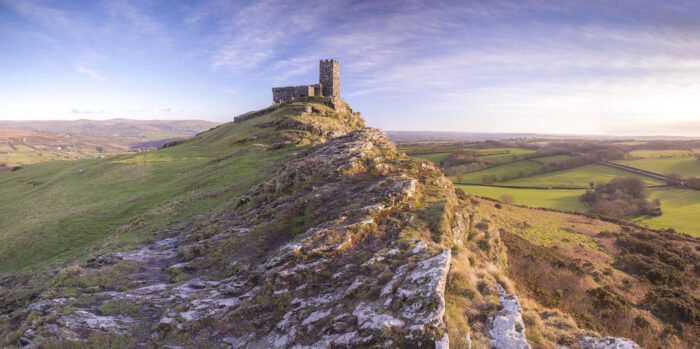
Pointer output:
297, 226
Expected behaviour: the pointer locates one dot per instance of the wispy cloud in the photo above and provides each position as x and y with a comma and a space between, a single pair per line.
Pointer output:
86, 111
532, 63
93, 74
229, 91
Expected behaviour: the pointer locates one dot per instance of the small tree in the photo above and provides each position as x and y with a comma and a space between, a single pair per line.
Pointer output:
490, 179
507, 199
674, 178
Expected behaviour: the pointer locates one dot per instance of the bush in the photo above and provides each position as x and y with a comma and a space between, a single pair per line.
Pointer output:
507, 199
604, 299
490, 179
655, 272
673, 305
621, 197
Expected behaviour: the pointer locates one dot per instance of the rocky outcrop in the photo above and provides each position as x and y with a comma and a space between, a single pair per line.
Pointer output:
507, 327
328, 269
607, 343
507, 330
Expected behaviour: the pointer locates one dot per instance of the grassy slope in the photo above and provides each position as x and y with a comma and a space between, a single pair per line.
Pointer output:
574, 263
50, 213
686, 166
564, 199
579, 177
511, 169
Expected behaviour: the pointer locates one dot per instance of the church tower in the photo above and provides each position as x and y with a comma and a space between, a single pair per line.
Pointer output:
329, 77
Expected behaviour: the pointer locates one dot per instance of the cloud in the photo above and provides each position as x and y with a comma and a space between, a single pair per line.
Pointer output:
86, 111
93, 74
132, 17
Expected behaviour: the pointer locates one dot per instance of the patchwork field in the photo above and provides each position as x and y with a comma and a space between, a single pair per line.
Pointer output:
512, 169
546, 160
631, 143
681, 210
680, 206
36, 141
560, 199
647, 153
434, 157
686, 165
580, 176
495, 151
16, 158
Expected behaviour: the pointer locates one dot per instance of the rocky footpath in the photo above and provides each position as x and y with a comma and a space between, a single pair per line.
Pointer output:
330, 251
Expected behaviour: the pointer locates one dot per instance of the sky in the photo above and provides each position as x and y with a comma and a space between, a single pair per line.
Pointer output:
567, 67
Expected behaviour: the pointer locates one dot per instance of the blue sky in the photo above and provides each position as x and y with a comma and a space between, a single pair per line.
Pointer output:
612, 67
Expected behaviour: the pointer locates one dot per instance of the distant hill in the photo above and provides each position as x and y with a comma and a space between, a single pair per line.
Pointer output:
119, 131
414, 136
23, 142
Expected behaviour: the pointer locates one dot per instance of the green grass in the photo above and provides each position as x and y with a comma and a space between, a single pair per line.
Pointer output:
14, 158
51, 213
435, 157
493, 151
553, 158
648, 153
686, 166
501, 155
579, 177
498, 158
561, 199
512, 169
680, 210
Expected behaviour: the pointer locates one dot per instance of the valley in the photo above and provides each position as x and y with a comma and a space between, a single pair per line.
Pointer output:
27, 142
526, 173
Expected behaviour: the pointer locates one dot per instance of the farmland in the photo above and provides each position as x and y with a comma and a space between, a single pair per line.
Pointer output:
434, 157
580, 176
512, 169
506, 168
28, 142
645, 153
680, 209
560, 199
685, 165
547, 159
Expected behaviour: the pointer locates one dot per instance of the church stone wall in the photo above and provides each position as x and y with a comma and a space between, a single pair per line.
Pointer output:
328, 86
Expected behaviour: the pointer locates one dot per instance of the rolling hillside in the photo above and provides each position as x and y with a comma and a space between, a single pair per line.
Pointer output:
25, 142
297, 226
